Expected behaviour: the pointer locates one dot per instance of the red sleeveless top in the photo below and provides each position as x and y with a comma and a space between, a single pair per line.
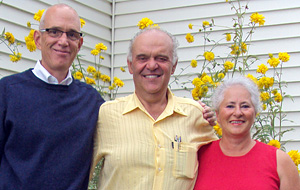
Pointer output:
255, 170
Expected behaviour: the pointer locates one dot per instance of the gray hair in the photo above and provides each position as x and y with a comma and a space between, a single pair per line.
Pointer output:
174, 42
252, 88
42, 21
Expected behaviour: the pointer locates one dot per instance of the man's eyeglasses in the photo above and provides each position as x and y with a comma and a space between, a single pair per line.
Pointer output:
55, 33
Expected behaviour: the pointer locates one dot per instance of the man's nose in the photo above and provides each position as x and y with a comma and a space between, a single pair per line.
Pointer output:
63, 39
152, 64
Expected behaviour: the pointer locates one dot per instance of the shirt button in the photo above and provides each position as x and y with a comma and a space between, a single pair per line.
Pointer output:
159, 146
159, 169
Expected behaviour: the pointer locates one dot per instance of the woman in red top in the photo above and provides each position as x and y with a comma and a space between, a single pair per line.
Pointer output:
236, 161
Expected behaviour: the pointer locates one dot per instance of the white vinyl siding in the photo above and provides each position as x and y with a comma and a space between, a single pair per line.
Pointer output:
281, 33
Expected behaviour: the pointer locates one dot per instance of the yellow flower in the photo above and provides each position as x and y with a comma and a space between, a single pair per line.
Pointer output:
28, 24
205, 23
244, 47
89, 80
195, 94
221, 75
235, 50
189, 37
198, 92
91, 69
105, 78
101, 57
15, 57
194, 63
190, 26
205, 90
275, 91
262, 69
264, 96
113, 86
284, 57
100, 46
228, 65
154, 26
228, 37
30, 45
144, 23
273, 62
82, 22
9, 37
252, 78
95, 52
78, 75
218, 129
274, 143
38, 15
97, 75
257, 18
264, 106
30, 35
270, 55
197, 82
207, 79
265, 82
295, 155
122, 69
209, 56
118, 82
278, 97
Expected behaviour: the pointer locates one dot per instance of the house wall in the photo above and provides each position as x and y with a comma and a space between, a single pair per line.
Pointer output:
114, 23
280, 33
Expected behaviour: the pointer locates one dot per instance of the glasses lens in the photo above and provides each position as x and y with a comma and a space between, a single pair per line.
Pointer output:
54, 33
73, 35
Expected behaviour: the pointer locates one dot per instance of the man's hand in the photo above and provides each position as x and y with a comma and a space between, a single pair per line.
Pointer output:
208, 114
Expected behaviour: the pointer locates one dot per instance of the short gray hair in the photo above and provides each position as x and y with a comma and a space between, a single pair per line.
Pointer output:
251, 87
174, 42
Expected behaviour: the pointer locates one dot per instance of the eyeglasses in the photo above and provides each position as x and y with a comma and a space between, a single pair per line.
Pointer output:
55, 33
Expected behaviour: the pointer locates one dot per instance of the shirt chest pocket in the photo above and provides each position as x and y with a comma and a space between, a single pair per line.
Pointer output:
185, 160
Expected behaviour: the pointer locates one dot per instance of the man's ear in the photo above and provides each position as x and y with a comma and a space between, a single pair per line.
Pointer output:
129, 64
80, 42
37, 35
174, 67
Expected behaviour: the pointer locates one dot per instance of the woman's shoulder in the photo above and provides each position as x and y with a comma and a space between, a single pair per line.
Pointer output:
287, 171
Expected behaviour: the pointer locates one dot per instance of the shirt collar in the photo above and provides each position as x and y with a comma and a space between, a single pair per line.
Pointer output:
40, 72
172, 106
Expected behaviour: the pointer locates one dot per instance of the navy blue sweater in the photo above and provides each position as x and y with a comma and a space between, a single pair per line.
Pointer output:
46, 133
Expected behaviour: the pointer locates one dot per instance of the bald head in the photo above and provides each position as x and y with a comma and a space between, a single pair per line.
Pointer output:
57, 9
174, 42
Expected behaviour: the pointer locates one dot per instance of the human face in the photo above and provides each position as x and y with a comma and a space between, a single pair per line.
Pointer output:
236, 112
151, 64
58, 53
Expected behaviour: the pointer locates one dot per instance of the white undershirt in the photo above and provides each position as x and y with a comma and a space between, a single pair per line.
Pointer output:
40, 72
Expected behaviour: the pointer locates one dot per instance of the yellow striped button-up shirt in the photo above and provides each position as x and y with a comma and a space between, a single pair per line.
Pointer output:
145, 154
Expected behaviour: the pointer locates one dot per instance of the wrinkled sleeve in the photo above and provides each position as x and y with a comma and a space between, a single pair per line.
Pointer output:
206, 132
96, 147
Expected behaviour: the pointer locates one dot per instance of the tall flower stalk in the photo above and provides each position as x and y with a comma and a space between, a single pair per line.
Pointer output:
213, 68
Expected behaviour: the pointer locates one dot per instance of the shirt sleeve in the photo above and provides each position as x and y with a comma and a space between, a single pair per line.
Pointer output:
96, 147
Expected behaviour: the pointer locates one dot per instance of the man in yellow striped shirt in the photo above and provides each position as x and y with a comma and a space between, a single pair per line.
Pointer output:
150, 139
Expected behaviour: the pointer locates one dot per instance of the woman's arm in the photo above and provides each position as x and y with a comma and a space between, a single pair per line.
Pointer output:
287, 171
